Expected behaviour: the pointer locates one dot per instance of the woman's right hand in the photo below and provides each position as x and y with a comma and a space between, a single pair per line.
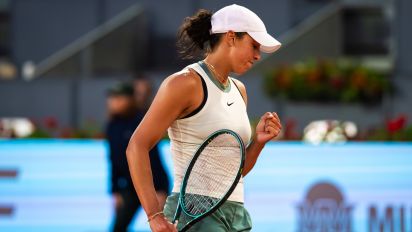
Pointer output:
161, 224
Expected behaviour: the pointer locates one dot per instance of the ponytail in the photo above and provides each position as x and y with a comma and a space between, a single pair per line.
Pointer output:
194, 38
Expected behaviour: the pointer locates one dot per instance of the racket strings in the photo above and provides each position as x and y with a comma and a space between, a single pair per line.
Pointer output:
212, 174
200, 204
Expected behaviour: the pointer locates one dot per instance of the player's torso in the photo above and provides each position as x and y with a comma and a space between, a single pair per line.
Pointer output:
222, 110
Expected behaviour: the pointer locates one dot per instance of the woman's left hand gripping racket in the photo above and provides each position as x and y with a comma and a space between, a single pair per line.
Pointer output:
210, 177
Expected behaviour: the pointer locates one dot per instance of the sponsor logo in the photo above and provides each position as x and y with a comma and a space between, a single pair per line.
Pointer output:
324, 209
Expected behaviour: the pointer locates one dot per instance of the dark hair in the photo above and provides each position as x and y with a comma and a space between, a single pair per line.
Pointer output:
194, 39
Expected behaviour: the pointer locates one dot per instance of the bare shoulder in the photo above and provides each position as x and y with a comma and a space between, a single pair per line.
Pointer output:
181, 91
242, 88
173, 99
185, 80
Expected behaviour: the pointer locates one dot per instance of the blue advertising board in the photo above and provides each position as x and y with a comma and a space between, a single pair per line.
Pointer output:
63, 185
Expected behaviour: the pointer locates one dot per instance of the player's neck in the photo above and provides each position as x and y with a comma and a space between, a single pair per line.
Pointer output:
218, 67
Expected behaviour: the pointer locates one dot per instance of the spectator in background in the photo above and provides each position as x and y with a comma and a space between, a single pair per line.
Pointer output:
8, 70
142, 92
124, 116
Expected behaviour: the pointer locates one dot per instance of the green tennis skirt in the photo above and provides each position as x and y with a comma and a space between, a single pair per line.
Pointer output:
231, 216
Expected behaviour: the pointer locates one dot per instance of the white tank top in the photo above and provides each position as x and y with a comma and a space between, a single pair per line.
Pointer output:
223, 109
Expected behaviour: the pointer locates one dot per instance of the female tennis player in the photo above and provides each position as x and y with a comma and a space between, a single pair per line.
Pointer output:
200, 99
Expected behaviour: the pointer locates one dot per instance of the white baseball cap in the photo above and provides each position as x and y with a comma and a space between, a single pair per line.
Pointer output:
240, 19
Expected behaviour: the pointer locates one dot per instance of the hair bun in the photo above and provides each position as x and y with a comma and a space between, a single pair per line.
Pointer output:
194, 33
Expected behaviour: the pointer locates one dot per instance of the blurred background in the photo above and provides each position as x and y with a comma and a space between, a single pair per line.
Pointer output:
340, 83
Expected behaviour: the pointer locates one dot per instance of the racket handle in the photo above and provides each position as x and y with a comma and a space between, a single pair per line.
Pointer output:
177, 214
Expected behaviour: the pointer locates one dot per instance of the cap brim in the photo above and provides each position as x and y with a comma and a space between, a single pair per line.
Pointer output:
268, 44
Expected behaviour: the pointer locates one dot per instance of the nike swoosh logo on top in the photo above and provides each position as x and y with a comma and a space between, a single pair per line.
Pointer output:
229, 104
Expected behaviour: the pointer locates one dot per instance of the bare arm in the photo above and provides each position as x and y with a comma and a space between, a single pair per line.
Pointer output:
268, 128
175, 98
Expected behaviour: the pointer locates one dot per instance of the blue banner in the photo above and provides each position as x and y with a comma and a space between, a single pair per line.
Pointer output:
62, 185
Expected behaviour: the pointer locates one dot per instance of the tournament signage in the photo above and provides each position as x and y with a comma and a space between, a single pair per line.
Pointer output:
325, 209
352, 187
294, 187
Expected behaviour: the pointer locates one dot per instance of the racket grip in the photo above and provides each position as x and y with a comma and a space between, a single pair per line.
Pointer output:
177, 214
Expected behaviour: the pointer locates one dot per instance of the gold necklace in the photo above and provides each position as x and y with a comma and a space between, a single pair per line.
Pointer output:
216, 74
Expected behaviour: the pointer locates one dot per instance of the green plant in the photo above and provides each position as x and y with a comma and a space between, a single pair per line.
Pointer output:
327, 81
396, 129
48, 127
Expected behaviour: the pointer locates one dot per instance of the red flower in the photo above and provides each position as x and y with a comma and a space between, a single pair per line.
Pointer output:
396, 124
50, 122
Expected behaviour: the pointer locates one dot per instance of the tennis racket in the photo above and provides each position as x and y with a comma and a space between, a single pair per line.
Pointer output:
210, 177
